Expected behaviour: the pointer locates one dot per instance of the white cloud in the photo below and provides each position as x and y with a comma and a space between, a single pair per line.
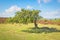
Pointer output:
29, 7
13, 9
45, 1
10, 11
51, 14
39, 1
58, 1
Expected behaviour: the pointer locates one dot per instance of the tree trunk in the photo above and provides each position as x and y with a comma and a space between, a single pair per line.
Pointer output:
35, 23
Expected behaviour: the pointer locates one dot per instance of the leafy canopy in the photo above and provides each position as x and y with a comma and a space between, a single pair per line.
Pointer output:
26, 16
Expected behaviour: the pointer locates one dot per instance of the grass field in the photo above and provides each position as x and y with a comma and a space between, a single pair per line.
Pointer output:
13, 32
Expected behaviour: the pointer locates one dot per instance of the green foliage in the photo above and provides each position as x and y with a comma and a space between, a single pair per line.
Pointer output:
9, 20
25, 16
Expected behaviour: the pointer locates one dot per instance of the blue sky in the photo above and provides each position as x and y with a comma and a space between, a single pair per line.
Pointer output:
49, 8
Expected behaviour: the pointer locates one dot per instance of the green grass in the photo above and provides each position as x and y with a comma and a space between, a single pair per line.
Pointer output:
13, 32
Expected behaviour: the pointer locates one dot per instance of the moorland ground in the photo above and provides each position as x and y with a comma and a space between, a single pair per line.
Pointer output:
14, 32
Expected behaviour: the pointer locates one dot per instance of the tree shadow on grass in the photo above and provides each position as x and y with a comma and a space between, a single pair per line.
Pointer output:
41, 30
